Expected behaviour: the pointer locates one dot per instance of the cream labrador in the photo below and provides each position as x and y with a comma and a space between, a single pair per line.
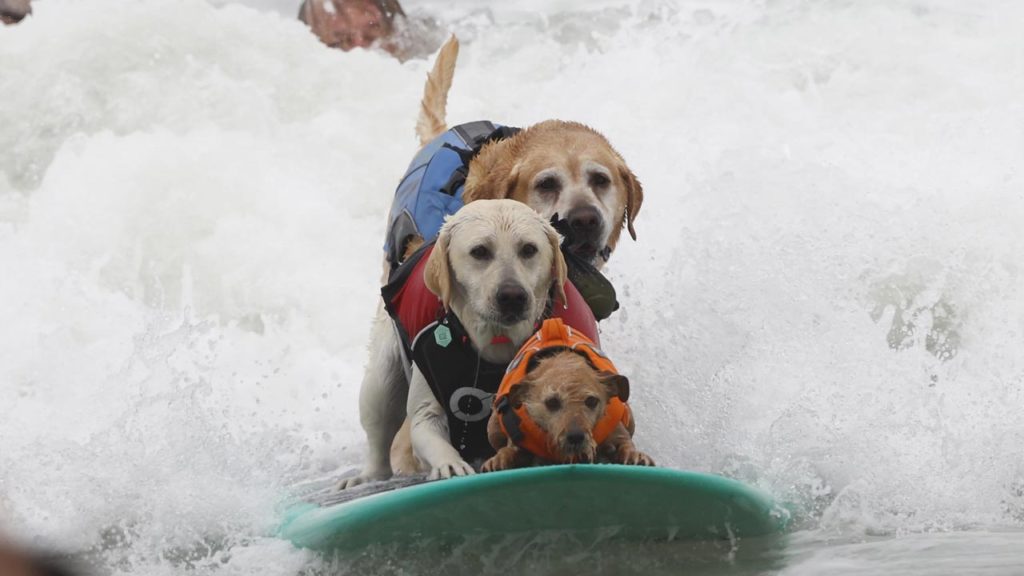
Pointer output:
494, 266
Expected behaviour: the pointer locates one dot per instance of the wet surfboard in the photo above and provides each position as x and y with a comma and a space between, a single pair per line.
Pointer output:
586, 501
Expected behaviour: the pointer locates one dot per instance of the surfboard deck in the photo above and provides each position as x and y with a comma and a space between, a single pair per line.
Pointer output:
627, 502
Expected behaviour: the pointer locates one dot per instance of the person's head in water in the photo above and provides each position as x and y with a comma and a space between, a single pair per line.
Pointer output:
13, 11
349, 24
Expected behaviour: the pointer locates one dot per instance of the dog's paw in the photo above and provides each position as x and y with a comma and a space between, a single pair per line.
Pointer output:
448, 469
503, 460
636, 458
364, 477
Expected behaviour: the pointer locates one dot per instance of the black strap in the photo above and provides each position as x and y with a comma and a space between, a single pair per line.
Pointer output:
475, 135
510, 420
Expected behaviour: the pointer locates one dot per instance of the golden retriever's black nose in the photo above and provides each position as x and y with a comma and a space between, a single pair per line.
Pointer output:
585, 221
511, 299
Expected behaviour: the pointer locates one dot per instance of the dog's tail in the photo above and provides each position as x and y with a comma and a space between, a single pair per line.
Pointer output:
431, 122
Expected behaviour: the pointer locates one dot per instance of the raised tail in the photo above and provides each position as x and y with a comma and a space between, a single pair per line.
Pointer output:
431, 122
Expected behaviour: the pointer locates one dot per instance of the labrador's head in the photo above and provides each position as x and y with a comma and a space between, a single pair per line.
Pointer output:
494, 265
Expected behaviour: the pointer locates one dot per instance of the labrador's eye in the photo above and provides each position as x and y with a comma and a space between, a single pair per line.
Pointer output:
591, 402
599, 180
528, 251
553, 404
480, 252
549, 184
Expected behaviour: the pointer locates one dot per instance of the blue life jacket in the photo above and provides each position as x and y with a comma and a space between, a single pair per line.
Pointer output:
432, 186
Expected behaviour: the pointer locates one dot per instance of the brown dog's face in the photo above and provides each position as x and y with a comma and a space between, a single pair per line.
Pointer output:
567, 397
568, 169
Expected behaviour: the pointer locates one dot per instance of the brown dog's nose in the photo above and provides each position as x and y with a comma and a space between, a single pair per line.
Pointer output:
584, 220
511, 299
575, 438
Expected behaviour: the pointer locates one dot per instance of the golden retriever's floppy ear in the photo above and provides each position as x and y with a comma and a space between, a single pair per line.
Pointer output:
495, 184
437, 274
511, 181
559, 271
617, 385
634, 197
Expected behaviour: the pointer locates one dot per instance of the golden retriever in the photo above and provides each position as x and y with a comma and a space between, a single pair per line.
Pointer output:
555, 167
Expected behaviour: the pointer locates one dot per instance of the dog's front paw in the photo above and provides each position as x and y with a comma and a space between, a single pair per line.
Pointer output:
363, 477
503, 460
448, 469
635, 458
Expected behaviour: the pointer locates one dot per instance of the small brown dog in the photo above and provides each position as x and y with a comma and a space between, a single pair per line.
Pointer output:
562, 402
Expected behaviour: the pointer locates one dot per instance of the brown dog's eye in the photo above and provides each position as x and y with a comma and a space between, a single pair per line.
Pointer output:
599, 180
480, 253
553, 404
549, 184
528, 251
591, 402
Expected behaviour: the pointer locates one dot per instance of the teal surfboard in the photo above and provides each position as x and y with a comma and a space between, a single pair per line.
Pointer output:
620, 502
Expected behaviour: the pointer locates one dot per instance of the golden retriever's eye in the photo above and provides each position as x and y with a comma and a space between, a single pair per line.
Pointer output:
599, 180
549, 184
480, 252
528, 251
591, 402
553, 404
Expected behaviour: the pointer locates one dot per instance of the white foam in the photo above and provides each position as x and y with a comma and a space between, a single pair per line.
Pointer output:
825, 298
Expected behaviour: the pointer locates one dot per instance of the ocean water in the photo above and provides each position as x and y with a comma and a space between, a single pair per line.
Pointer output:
826, 298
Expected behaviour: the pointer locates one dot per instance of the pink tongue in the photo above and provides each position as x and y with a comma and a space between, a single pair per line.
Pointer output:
500, 339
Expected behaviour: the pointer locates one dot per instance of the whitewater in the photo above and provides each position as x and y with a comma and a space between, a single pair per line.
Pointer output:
825, 300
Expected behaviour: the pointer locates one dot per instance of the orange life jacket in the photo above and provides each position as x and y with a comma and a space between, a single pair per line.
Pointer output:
516, 422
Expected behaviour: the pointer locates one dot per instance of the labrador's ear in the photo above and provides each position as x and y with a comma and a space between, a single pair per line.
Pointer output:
617, 385
437, 274
559, 270
634, 197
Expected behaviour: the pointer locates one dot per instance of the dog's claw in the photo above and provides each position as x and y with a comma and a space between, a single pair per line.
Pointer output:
637, 458
363, 478
642, 459
449, 469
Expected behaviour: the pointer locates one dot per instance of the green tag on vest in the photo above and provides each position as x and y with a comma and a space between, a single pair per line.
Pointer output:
443, 336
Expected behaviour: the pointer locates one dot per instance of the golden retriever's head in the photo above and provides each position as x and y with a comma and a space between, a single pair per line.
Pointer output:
566, 396
563, 168
494, 265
